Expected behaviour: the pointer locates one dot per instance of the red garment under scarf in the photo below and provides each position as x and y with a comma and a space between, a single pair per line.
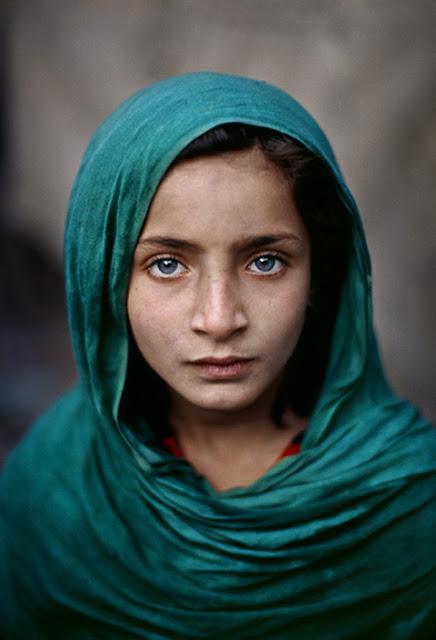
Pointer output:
294, 447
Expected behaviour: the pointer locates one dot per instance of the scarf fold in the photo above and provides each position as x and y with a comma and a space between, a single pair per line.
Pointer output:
108, 536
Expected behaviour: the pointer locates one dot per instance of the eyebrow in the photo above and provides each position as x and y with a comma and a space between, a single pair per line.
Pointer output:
249, 243
164, 241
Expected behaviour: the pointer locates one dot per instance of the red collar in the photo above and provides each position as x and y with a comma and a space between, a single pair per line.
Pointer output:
293, 448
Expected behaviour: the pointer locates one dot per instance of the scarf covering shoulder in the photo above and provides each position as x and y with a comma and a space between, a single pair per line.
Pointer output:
107, 536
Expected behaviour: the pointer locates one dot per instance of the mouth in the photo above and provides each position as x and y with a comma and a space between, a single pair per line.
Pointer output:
222, 368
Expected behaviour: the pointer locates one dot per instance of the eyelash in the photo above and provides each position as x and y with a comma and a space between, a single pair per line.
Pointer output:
269, 254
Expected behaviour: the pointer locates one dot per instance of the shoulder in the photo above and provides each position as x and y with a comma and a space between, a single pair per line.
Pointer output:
37, 456
37, 476
55, 446
39, 505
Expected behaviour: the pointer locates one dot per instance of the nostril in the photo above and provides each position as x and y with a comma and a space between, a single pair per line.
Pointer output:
219, 326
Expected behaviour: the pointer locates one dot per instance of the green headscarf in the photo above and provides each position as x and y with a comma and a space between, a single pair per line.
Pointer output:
108, 536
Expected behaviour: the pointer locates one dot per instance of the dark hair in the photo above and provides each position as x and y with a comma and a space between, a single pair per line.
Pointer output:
329, 226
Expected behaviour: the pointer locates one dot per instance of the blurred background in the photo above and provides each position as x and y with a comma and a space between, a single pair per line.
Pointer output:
364, 68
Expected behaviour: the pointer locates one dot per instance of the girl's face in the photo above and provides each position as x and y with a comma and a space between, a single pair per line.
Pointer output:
220, 280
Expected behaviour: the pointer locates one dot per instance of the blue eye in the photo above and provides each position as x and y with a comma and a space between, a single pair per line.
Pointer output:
266, 264
166, 268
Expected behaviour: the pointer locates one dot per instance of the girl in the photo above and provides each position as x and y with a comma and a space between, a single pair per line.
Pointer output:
232, 463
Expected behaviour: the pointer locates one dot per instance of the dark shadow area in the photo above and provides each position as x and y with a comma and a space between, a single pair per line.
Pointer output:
36, 361
35, 357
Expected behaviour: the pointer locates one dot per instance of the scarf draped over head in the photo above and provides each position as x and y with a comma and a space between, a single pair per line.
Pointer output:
105, 535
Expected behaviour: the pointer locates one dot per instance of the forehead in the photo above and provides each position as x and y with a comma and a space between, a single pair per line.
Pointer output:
227, 193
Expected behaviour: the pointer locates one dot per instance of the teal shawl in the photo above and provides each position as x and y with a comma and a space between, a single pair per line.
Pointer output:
108, 536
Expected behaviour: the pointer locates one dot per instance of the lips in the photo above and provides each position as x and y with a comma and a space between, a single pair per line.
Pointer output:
222, 368
221, 361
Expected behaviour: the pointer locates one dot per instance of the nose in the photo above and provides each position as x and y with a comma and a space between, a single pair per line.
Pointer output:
219, 310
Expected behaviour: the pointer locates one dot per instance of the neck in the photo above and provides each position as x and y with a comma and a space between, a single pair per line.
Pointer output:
229, 434
231, 448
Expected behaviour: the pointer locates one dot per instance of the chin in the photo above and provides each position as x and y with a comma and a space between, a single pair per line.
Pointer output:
224, 399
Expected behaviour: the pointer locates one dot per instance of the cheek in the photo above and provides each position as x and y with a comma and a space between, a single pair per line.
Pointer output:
155, 322
145, 316
287, 320
282, 317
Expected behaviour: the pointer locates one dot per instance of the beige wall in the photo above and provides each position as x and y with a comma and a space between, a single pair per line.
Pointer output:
364, 68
